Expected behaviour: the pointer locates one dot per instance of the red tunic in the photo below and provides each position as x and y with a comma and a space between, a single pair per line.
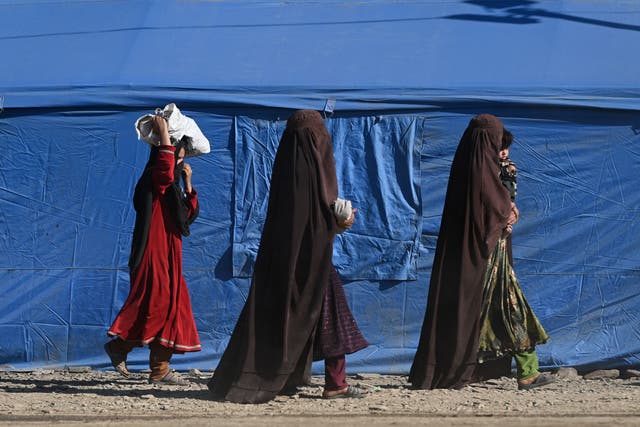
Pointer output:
158, 306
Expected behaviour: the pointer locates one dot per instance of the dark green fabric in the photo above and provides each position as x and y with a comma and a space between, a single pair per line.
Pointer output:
508, 324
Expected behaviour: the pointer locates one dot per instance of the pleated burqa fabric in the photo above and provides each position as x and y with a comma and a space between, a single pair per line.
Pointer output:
272, 342
475, 214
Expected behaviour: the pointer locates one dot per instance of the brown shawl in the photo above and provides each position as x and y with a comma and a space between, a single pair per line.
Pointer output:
273, 338
475, 213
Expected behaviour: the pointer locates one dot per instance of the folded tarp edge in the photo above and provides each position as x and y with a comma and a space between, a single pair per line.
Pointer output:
304, 97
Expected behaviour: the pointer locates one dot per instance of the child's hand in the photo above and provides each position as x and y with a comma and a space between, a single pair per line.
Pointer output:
186, 177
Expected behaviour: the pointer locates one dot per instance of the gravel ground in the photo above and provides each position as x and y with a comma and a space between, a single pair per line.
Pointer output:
83, 396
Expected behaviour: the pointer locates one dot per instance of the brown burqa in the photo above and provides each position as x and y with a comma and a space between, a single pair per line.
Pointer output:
272, 342
475, 213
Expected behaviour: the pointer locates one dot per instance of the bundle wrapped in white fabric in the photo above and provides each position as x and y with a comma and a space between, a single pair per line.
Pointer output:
342, 209
179, 126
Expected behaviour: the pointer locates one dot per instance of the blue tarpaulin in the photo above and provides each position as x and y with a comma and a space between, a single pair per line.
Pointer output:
378, 167
405, 76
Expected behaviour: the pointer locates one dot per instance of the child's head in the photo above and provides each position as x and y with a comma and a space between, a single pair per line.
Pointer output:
507, 140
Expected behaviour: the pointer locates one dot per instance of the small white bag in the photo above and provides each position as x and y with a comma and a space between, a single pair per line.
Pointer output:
179, 126
342, 209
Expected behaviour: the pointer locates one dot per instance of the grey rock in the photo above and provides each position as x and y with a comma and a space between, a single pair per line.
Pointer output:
630, 373
195, 372
567, 373
78, 369
602, 374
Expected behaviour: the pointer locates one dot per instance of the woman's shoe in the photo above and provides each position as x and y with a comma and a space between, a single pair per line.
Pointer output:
172, 378
541, 380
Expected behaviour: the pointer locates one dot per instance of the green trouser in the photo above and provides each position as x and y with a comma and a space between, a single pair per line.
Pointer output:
526, 364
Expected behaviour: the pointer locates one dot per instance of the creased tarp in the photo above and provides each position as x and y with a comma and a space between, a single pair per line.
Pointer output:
579, 227
377, 163
66, 221
66, 218
76, 74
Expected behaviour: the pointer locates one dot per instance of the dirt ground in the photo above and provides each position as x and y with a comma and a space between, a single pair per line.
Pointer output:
80, 396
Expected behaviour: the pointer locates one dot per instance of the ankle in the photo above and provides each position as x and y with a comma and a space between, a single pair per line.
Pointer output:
159, 371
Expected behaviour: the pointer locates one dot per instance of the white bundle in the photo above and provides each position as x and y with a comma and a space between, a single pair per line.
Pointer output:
342, 209
179, 126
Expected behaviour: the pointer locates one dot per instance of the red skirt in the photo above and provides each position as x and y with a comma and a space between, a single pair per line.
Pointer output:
158, 306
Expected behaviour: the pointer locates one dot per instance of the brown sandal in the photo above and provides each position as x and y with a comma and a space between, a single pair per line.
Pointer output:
172, 378
540, 381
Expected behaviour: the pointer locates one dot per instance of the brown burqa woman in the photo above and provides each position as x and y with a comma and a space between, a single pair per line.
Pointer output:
296, 310
476, 222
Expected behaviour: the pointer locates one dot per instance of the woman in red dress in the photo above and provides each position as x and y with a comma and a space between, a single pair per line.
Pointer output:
157, 311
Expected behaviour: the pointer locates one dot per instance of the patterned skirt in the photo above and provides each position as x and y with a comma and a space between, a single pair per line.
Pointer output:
507, 322
337, 332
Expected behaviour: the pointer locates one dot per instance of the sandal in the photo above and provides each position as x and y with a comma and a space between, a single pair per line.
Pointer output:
172, 378
541, 380
351, 392
118, 360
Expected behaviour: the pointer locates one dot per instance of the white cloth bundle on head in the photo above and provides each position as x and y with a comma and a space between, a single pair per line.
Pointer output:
179, 126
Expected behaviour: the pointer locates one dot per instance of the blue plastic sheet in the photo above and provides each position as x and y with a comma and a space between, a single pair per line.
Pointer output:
66, 221
406, 78
378, 167
295, 54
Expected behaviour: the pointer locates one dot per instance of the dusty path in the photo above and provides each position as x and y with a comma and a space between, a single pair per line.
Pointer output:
46, 397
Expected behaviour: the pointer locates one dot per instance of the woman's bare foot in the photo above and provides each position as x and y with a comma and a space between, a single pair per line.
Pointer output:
347, 392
